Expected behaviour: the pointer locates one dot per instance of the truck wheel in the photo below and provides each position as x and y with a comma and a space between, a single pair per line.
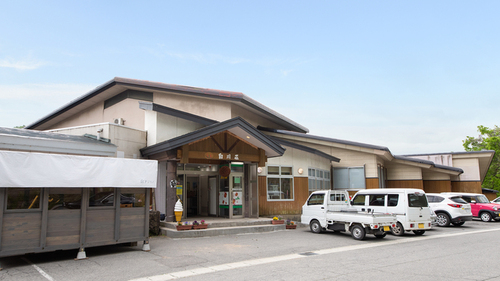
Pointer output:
485, 216
443, 219
398, 230
315, 226
380, 236
358, 232
419, 232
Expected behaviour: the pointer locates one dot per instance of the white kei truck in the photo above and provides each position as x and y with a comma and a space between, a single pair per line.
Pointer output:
329, 210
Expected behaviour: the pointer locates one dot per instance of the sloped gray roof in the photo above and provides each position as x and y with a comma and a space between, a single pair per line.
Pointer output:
31, 140
302, 135
193, 91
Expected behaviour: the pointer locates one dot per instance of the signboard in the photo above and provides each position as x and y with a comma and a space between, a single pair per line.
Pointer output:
223, 199
179, 189
237, 198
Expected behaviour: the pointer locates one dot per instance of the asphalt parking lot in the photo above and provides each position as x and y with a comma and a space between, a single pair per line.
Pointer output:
451, 253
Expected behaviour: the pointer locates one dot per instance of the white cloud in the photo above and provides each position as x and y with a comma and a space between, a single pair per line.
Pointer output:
27, 63
60, 93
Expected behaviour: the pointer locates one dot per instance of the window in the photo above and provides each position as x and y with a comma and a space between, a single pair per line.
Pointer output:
102, 197
319, 179
358, 200
417, 200
279, 183
337, 197
65, 198
458, 199
349, 178
316, 199
392, 200
377, 200
23, 198
132, 197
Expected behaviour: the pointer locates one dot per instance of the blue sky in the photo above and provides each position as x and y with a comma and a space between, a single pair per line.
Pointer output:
414, 76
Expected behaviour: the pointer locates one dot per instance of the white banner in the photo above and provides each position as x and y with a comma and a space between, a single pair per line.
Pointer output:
27, 169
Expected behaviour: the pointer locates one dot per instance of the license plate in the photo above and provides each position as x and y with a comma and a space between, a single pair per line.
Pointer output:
386, 228
420, 225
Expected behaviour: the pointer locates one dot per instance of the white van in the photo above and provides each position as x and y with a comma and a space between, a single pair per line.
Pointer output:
409, 205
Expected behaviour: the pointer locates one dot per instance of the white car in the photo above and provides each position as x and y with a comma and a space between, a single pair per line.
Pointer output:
449, 209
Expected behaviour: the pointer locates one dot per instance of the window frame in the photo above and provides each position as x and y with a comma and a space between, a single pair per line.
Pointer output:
318, 179
280, 176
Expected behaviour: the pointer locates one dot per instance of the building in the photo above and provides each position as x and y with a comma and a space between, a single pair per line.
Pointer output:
225, 154
61, 192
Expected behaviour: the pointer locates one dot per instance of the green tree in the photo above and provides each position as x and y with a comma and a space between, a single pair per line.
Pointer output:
19, 127
488, 139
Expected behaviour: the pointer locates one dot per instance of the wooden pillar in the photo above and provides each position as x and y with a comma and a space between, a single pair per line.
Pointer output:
171, 190
44, 200
161, 188
262, 158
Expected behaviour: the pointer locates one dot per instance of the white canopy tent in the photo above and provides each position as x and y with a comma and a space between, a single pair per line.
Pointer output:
27, 169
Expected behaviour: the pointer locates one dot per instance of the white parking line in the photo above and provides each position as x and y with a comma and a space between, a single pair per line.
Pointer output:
43, 273
229, 266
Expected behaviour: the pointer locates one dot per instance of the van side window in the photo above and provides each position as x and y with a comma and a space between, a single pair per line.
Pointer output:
358, 200
377, 200
316, 199
392, 200
337, 197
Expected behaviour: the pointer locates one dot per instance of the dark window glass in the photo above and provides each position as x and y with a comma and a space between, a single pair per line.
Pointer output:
358, 200
316, 199
65, 198
392, 200
101, 197
377, 200
417, 200
132, 197
458, 199
23, 198
337, 197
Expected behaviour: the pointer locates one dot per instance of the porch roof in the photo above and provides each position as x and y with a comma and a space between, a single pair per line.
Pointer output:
237, 126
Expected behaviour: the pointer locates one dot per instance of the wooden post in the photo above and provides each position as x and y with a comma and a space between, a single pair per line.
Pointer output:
117, 192
2, 206
83, 221
45, 213
171, 193
262, 157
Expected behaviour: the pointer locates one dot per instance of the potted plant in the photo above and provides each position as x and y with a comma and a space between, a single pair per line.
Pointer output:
278, 220
200, 225
185, 226
290, 225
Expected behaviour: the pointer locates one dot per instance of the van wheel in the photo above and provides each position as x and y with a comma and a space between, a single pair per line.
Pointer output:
315, 226
485, 216
358, 232
443, 219
398, 230
419, 232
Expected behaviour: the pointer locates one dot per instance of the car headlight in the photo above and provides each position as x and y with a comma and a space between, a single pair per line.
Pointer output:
495, 208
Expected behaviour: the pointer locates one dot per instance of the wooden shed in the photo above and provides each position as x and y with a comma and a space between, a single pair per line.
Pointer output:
54, 202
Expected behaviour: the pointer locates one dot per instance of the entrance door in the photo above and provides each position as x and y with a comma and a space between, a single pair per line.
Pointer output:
192, 195
236, 191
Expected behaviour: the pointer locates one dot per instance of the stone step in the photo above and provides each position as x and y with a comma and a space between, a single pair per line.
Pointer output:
217, 231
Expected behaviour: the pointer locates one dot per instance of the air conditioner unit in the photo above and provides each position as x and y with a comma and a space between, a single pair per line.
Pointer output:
119, 121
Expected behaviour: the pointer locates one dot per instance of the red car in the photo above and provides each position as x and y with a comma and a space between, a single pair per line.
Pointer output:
480, 206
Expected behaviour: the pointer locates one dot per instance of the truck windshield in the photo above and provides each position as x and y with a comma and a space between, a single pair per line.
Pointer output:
417, 200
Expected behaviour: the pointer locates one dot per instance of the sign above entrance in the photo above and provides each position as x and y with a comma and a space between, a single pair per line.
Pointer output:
223, 156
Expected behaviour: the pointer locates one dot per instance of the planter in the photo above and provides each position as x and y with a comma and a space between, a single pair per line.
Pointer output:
289, 226
278, 221
200, 226
184, 227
